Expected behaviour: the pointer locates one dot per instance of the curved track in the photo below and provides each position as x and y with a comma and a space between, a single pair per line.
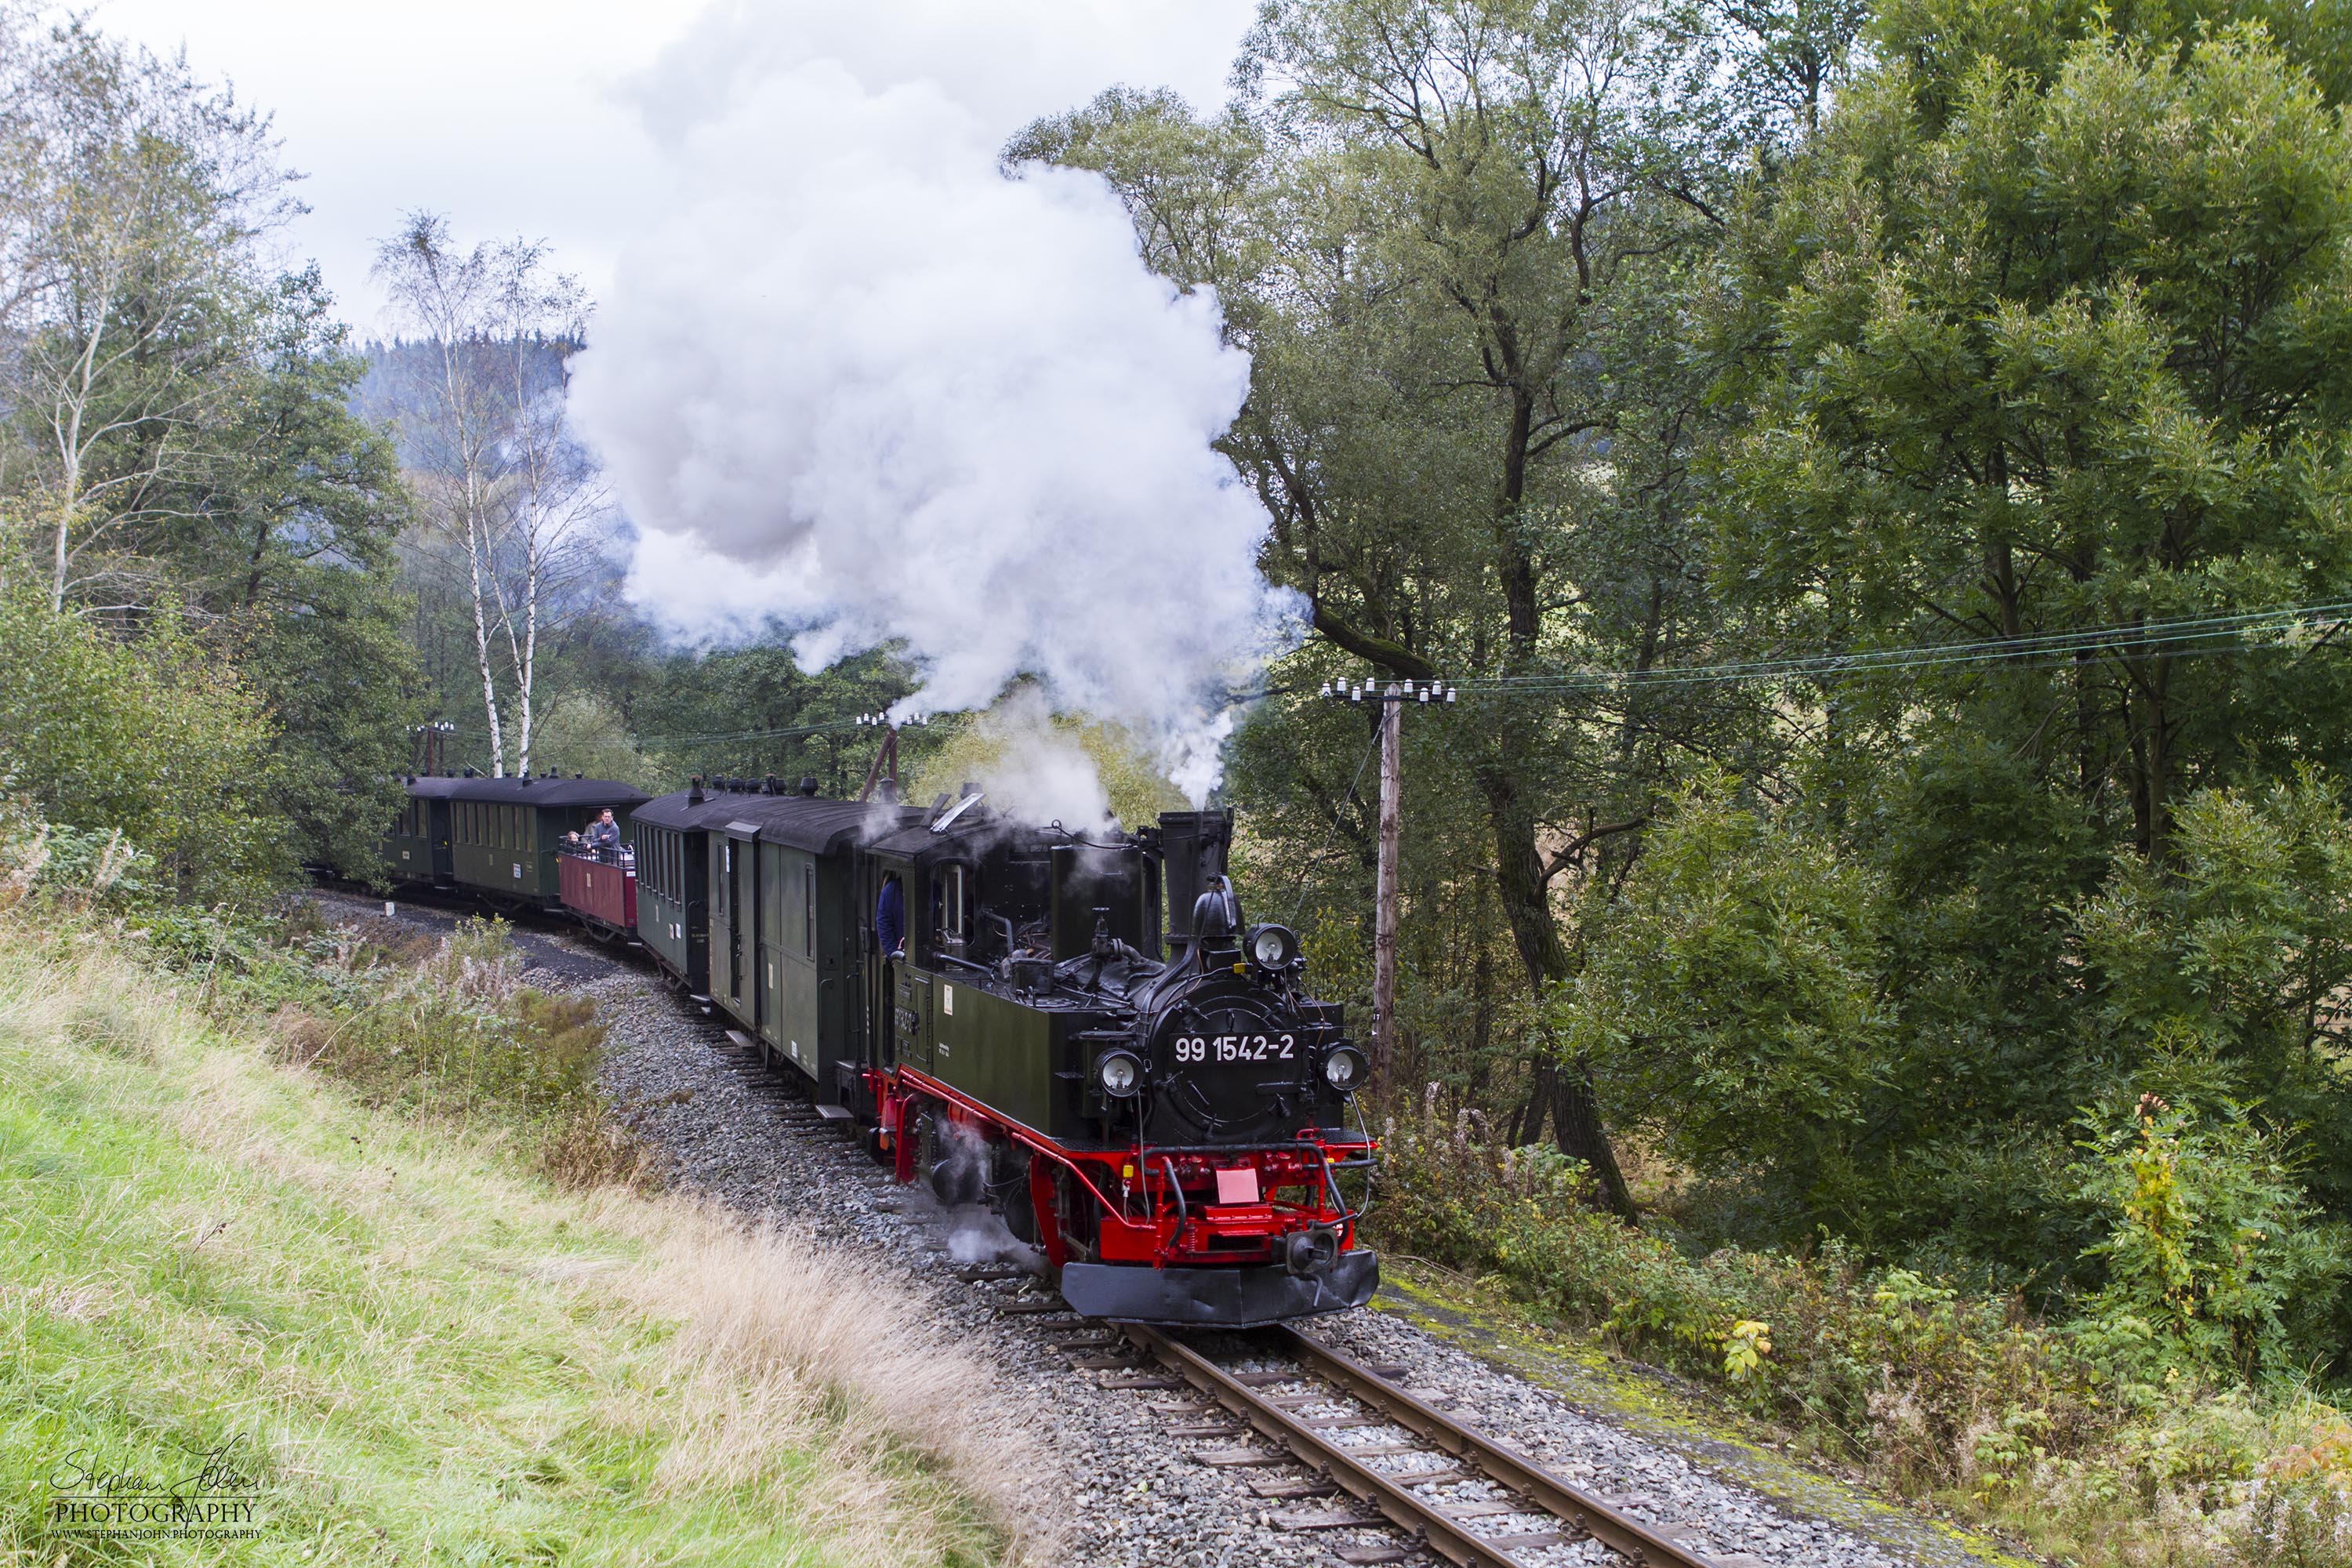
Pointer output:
1539, 1509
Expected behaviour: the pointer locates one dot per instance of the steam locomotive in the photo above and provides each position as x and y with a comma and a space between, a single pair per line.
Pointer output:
1081, 1032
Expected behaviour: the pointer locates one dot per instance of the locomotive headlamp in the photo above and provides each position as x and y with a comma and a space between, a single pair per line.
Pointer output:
1274, 947
1118, 1072
1344, 1068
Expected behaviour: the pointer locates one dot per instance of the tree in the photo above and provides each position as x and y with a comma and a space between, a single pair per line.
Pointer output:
136, 199
1436, 227
503, 482
286, 535
2041, 339
2043, 334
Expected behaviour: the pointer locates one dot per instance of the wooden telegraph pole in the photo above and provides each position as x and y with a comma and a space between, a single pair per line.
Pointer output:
885, 761
1384, 886
1385, 900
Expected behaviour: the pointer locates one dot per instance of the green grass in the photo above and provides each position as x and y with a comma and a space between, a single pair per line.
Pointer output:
417, 1352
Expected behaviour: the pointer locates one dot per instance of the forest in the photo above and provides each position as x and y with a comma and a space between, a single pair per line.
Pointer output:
1875, 929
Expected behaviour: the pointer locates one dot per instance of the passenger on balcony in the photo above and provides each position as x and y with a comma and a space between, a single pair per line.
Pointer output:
604, 835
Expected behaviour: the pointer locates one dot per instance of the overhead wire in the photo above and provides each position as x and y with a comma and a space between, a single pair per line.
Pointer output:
2211, 634
2180, 637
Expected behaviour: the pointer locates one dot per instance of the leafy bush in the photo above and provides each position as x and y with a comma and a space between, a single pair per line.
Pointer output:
2213, 1247
2112, 1426
153, 739
1732, 1007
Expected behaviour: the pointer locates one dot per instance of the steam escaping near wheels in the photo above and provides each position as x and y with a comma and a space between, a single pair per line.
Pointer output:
861, 380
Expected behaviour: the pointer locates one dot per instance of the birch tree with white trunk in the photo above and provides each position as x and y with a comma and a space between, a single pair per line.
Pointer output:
556, 500
451, 300
506, 488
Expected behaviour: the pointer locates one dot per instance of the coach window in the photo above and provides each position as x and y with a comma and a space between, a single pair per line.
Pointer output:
808, 906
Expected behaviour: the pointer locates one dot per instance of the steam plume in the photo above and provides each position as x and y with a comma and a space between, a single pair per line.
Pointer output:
858, 381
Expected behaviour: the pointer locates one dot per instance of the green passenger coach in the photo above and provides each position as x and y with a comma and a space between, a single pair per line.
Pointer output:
497, 838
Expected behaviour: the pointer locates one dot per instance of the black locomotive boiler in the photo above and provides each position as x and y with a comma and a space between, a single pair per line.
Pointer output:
1081, 1032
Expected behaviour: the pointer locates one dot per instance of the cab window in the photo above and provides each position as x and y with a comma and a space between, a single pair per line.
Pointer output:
951, 905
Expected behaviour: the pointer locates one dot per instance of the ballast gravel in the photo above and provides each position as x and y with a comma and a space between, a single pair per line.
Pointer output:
1132, 1495
1128, 1492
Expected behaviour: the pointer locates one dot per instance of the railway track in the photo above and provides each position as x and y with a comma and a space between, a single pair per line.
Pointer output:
1521, 1510
1310, 1413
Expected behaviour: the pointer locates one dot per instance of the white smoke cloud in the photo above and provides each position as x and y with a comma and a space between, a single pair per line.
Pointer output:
856, 380
1038, 772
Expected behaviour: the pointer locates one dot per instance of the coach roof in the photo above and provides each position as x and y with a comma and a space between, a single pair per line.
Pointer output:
549, 792
799, 822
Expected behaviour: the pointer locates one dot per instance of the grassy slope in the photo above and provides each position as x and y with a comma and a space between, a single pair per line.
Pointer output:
429, 1356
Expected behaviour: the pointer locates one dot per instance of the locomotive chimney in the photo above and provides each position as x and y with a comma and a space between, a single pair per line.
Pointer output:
1193, 846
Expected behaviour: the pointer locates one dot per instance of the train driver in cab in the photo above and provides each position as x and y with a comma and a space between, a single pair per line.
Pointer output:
890, 918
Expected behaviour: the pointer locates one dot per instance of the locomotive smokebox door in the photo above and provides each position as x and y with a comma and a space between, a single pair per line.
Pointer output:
1236, 1064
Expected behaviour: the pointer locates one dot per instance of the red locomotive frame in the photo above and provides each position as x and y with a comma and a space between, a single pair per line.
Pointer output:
1151, 1221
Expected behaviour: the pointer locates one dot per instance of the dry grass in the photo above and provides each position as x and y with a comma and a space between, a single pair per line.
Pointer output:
772, 1316
709, 1370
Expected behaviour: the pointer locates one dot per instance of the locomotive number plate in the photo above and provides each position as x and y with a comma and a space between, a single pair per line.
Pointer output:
1236, 1048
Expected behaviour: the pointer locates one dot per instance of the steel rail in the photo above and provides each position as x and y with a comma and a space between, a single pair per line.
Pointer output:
1446, 1537
1499, 1463
1425, 1520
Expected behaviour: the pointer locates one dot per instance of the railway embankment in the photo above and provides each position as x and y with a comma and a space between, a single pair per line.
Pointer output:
1131, 1478
306, 1259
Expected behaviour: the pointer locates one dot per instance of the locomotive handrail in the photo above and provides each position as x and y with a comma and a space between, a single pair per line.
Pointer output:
1331, 1185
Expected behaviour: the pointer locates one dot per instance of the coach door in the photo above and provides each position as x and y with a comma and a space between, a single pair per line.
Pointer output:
437, 830
743, 897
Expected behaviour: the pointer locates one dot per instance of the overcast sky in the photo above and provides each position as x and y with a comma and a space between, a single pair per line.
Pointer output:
516, 116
